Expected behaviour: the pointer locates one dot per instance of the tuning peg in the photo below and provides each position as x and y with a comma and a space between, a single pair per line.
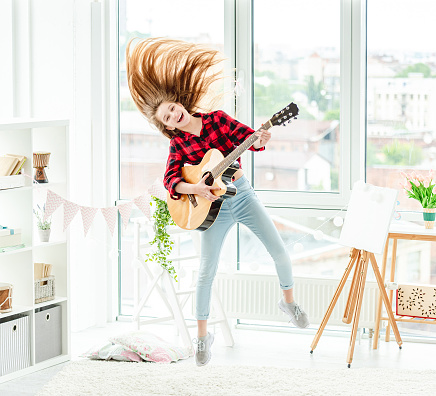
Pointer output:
287, 107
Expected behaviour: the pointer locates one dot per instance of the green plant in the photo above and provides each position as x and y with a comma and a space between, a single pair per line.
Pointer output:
421, 188
162, 241
40, 222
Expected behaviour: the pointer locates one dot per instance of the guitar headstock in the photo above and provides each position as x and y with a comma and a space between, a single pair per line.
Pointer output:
285, 115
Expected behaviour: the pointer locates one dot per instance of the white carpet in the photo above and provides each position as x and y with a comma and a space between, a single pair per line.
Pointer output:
118, 378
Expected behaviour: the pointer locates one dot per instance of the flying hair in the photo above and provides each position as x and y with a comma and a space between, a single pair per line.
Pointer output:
166, 70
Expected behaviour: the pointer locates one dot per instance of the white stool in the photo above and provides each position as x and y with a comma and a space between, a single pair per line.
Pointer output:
173, 299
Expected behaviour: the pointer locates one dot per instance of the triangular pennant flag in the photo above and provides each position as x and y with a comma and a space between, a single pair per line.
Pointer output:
52, 203
157, 189
143, 203
88, 215
110, 215
125, 211
70, 210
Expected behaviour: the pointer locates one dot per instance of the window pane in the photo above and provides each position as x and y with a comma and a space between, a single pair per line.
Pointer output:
401, 93
297, 58
312, 243
401, 121
143, 150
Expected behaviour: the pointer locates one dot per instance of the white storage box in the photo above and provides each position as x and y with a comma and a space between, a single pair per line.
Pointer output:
14, 344
15, 181
48, 333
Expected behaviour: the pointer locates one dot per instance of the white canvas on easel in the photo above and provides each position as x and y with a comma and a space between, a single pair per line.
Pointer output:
365, 231
368, 217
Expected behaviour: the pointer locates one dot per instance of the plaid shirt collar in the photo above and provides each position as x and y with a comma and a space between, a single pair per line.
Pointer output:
206, 119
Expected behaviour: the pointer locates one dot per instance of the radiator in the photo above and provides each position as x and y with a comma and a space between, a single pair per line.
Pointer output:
255, 296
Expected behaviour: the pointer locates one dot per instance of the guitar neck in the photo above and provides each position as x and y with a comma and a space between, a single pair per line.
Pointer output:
236, 153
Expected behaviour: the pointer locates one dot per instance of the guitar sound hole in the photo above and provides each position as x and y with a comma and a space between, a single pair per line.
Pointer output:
209, 180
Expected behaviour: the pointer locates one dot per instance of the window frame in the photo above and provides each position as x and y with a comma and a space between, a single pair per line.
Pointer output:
353, 106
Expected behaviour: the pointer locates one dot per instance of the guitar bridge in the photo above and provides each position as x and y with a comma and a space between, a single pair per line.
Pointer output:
192, 200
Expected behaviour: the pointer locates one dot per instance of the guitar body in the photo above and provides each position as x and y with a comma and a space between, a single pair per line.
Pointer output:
202, 214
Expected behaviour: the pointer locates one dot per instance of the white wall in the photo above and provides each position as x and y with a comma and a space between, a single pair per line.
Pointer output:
50, 44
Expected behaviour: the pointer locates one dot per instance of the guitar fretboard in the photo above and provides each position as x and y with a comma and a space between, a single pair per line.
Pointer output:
236, 153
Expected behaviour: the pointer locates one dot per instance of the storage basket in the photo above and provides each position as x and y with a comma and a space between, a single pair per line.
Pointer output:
417, 301
48, 333
14, 344
44, 289
5, 297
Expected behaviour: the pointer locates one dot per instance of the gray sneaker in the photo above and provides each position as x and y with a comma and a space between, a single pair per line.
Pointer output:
298, 316
203, 353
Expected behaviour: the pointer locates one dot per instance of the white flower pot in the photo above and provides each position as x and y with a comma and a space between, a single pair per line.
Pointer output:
44, 235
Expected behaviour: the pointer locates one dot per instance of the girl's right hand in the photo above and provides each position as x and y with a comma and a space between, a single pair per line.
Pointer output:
205, 191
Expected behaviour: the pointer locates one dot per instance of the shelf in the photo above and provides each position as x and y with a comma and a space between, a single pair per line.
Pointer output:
38, 366
17, 251
17, 309
408, 319
30, 123
51, 185
26, 136
15, 189
57, 300
47, 244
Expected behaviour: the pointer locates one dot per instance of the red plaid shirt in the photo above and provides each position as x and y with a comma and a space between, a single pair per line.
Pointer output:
220, 131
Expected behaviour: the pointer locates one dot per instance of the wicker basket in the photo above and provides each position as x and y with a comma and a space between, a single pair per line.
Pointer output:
44, 289
5, 297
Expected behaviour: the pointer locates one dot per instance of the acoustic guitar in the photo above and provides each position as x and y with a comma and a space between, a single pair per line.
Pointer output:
193, 212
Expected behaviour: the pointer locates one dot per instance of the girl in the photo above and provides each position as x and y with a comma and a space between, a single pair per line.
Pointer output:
169, 81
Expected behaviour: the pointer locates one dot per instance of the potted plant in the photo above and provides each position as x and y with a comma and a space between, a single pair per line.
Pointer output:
44, 226
423, 189
162, 240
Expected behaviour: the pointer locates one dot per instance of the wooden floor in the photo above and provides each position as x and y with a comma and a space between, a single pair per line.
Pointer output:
255, 348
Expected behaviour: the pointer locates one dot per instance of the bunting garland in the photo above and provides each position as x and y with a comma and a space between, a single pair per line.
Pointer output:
110, 214
70, 211
143, 205
88, 214
53, 202
125, 211
158, 190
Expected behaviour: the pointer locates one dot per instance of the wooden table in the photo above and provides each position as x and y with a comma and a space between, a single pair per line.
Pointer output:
405, 231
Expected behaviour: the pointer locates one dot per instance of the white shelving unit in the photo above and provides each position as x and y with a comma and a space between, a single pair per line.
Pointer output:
25, 136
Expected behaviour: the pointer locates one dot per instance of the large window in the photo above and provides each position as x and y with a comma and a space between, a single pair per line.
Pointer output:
401, 121
297, 58
363, 74
143, 150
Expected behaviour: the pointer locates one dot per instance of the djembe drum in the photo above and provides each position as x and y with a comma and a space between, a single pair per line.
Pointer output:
5, 297
40, 161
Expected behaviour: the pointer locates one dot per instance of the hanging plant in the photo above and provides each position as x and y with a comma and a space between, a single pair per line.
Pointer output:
162, 241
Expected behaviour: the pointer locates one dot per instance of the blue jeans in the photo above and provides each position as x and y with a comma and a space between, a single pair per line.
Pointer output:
245, 208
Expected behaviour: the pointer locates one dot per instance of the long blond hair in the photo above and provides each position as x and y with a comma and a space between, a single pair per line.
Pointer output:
165, 70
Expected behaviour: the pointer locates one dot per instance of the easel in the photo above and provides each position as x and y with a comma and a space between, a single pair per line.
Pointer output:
354, 303
174, 300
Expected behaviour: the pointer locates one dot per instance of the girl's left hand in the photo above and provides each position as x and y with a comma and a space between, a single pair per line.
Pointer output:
264, 137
